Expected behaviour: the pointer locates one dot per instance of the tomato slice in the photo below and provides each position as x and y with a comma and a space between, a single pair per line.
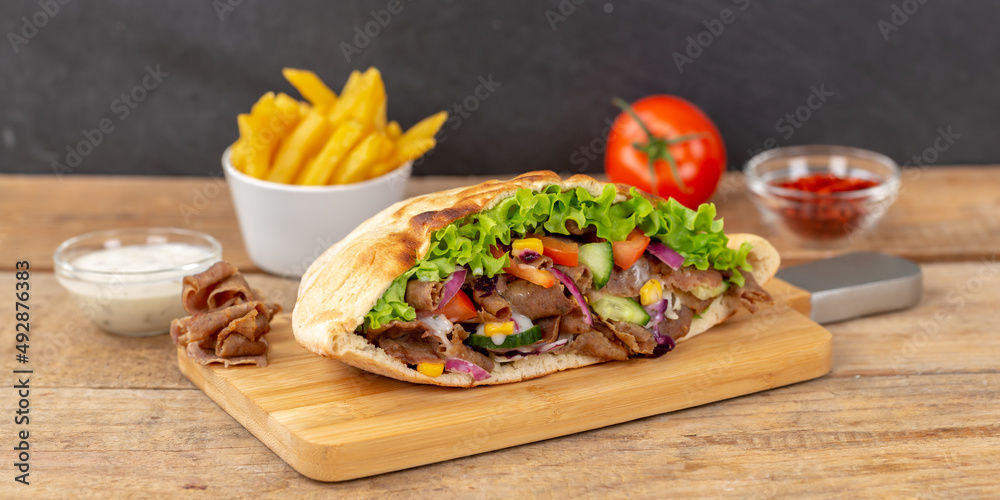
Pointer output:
564, 253
537, 276
628, 251
459, 308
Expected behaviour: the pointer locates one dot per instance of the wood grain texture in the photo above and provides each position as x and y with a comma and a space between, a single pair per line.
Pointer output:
909, 409
873, 437
925, 428
943, 214
954, 329
333, 422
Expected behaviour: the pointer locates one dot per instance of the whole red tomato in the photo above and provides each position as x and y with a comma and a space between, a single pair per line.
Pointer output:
680, 131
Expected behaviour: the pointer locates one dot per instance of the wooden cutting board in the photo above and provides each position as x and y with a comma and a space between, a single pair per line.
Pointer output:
333, 422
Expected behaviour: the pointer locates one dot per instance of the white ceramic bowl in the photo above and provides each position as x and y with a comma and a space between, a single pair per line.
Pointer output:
286, 227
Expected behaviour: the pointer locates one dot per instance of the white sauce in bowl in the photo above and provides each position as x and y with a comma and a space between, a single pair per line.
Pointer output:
136, 289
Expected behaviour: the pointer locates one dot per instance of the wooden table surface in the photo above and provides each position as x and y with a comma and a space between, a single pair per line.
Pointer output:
911, 408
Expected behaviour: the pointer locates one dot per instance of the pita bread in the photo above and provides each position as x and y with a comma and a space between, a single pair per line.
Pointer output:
346, 281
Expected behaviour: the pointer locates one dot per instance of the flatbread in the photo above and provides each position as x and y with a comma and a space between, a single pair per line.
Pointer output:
346, 281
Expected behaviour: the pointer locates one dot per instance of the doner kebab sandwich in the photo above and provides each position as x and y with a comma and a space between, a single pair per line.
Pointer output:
511, 280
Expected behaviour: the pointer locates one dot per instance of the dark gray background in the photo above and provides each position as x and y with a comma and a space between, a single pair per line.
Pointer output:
938, 70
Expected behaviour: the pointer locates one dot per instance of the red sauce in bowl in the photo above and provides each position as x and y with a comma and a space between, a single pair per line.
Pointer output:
827, 183
825, 217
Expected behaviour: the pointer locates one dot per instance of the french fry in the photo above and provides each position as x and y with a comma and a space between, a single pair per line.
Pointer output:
357, 164
258, 144
426, 128
384, 167
366, 101
380, 114
414, 147
303, 143
340, 111
271, 118
304, 109
287, 104
320, 169
330, 138
406, 151
371, 105
419, 139
311, 87
265, 101
241, 148
237, 155
351, 85
393, 130
260, 136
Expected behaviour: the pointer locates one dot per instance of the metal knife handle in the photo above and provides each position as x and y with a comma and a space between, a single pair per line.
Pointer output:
857, 284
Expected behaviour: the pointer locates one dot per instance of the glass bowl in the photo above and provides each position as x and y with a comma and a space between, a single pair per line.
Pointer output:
825, 220
128, 281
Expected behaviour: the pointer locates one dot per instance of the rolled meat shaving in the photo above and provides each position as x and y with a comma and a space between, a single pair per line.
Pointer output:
227, 323
200, 326
230, 291
198, 287
251, 326
423, 294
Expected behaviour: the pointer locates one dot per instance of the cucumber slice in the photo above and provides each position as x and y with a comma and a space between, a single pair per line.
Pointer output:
621, 309
529, 336
600, 259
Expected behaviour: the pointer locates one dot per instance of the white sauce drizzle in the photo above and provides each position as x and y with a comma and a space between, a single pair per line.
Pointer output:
440, 327
673, 306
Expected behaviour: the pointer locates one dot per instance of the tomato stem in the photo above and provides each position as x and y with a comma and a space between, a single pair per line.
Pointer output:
657, 148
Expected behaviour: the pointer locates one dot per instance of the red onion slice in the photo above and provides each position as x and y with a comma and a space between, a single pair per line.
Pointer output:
656, 315
515, 354
453, 285
668, 255
552, 345
461, 365
575, 292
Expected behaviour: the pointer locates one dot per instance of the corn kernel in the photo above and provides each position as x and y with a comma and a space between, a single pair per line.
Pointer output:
533, 244
491, 329
431, 369
651, 292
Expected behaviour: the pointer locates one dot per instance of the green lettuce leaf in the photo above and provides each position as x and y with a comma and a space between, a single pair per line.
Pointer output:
695, 234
